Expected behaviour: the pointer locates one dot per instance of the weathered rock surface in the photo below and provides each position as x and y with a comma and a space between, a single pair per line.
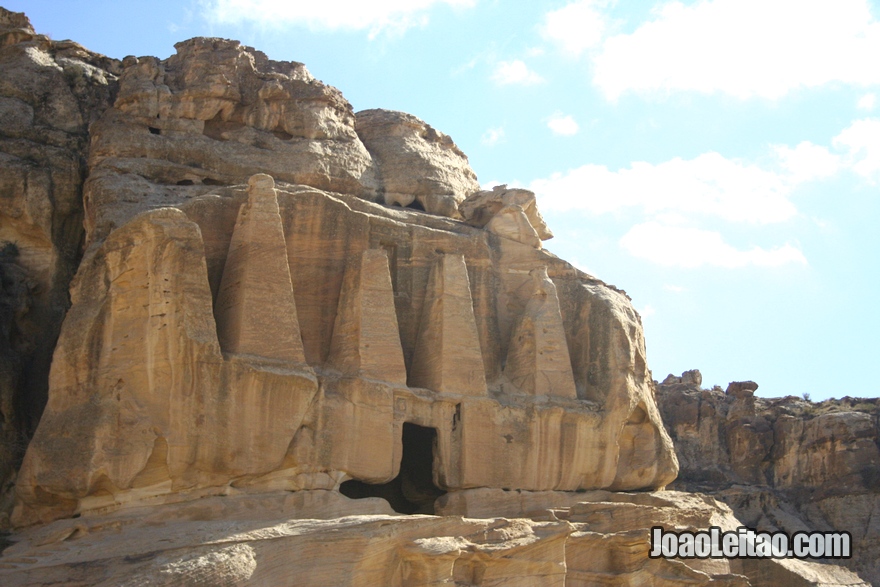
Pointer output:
600, 538
217, 112
365, 340
236, 323
511, 213
781, 464
538, 360
257, 333
50, 91
256, 293
447, 357
419, 166
139, 367
293, 338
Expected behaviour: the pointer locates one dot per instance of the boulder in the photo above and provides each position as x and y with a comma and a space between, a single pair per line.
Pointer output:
419, 167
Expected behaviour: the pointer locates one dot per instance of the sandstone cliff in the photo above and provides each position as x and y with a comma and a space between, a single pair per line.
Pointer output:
781, 464
49, 94
285, 312
288, 337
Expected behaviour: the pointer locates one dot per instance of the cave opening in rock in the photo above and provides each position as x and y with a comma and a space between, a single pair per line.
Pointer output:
414, 205
413, 490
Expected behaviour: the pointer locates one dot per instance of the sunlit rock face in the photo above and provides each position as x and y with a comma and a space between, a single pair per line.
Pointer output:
50, 91
211, 115
230, 334
281, 337
546, 538
217, 112
783, 463
419, 166
289, 324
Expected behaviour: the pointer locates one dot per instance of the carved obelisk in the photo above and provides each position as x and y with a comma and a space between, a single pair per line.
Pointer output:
255, 309
448, 357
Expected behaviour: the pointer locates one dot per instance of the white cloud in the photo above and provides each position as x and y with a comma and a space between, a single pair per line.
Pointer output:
515, 72
807, 162
745, 48
860, 142
674, 288
492, 136
709, 185
668, 201
467, 66
576, 27
376, 16
647, 310
535, 51
677, 246
867, 102
562, 125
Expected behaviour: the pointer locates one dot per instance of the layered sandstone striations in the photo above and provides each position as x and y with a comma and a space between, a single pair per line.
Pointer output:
282, 305
310, 334
510, 213
781, 464
217, 112
293, 378
552, 539
419, 167
50, 91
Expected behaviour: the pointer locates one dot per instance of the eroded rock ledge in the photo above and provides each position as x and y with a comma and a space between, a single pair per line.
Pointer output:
552, 539
781, 464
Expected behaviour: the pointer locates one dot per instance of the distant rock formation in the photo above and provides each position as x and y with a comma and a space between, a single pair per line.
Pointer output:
781, 464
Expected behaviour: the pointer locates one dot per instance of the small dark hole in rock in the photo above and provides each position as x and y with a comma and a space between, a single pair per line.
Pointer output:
186, 182
217, 127
155, 130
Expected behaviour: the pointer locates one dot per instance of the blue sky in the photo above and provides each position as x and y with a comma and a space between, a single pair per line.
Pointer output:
719, 160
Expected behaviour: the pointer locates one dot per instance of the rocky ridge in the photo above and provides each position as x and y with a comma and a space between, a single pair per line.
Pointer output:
781, 464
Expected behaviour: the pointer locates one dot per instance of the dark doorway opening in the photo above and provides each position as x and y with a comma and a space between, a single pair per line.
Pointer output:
413, 490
